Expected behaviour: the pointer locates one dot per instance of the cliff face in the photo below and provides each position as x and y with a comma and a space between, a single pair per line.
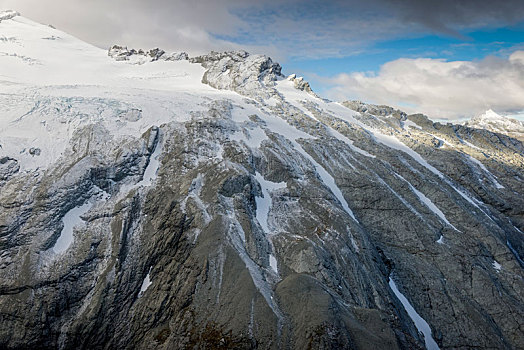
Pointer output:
211, 202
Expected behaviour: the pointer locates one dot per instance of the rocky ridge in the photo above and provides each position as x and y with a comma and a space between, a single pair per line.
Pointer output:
122, 53
255, 215
5, 15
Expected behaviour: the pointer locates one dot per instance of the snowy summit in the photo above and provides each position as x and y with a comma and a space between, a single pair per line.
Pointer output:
492, 121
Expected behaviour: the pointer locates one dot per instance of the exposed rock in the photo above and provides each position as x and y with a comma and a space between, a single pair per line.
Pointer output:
122, 53
8, 14
8, 168
374, 109
301, 84
239, 71
34, 151
132, 115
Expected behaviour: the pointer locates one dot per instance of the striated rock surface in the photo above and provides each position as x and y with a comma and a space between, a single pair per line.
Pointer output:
214, 203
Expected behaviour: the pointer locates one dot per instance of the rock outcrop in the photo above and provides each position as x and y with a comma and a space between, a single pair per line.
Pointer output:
122, 53
496, 123
239, 71
9, 14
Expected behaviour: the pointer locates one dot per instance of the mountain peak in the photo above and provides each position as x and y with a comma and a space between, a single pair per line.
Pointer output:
489, 115
492, 121
8, 14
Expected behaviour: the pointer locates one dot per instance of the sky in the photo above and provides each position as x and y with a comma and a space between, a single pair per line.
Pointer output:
449, 59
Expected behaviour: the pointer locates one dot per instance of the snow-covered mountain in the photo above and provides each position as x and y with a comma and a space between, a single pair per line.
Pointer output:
499, 124
153, 200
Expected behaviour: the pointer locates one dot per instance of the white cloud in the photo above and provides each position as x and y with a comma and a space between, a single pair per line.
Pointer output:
439, 88
171, 24
290, 28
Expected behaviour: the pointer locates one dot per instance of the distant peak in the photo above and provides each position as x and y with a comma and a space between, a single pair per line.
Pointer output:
495, 122
490, 114
8, 14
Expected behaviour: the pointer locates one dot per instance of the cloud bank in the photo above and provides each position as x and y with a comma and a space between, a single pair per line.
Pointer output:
440, 89
308, 28
450, 16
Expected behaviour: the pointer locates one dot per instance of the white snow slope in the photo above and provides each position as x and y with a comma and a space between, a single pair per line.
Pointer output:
52, 83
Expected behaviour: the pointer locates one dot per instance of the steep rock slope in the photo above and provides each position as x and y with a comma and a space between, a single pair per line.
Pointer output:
211, 202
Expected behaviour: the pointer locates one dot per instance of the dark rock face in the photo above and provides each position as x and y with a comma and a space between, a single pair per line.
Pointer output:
8, 168
268, 225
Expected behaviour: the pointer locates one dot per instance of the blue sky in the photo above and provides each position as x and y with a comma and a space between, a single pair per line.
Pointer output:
477, 45
467, 51
445, 58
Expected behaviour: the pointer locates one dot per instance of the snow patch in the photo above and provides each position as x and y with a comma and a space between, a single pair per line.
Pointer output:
428, 203
145, 283
264, 202
151, 172
352, 239
293, 134
393, 142
272, 101
470, 145
328, 180
252, 137
410, 124
444, 142
273, 263
350, 143
420, 323
492, 177
515, 253
294, 96
413, 210
71, 219
235, 232
194, 193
